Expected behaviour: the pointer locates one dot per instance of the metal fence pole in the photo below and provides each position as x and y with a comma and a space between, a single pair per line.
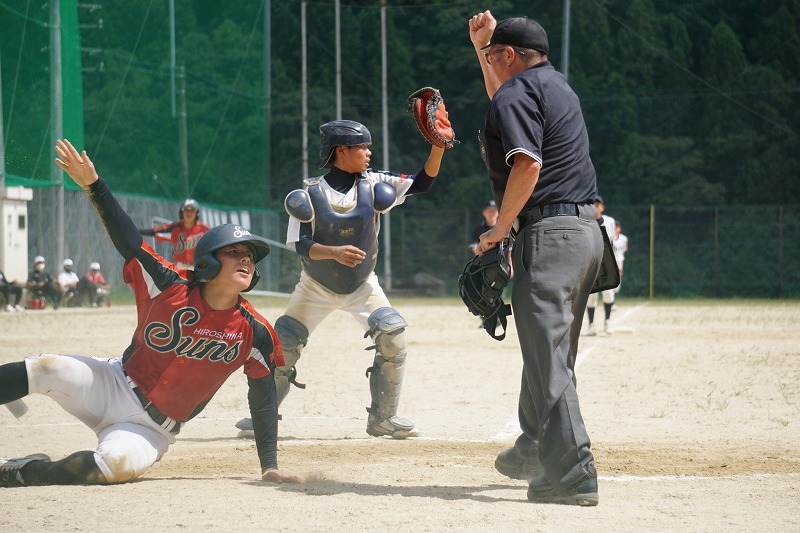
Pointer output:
652, 248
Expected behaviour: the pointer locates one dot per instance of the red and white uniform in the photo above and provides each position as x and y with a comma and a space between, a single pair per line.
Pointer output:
182, 350
183, 240
181, 353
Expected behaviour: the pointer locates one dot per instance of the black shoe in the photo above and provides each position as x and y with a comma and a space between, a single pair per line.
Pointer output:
583, 492
10, 469
511, 463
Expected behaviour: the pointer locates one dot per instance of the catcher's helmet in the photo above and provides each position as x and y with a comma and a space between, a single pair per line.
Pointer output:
340, 133
191, 203
206, 265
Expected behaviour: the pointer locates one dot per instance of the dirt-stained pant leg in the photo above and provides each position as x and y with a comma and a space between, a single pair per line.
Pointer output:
95, 391
555, 262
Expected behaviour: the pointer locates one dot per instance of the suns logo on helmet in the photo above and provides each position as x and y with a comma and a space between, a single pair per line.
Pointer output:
239, 231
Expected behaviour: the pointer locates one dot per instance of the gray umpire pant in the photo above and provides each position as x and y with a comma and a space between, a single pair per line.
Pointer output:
556, 261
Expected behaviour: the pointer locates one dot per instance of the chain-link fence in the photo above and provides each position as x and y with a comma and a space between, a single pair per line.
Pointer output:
722, 252
85, 239
746, 251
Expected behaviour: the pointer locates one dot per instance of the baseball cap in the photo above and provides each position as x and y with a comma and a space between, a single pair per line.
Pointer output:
521, 32
599, 198
190, 203
67, 262
490, 203
38, 259
94, 266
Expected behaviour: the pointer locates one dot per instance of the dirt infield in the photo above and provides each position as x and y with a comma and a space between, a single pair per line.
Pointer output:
692, 407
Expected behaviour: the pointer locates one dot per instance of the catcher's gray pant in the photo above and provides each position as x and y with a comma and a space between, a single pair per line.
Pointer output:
556, 261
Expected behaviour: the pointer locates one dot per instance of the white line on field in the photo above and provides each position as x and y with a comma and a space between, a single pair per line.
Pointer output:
754, 475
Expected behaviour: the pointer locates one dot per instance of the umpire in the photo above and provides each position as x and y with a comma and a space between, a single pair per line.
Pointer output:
536, 148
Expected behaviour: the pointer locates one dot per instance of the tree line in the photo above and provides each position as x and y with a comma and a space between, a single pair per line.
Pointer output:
686, 102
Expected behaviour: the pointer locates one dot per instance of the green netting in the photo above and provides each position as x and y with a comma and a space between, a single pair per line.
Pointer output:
28, 92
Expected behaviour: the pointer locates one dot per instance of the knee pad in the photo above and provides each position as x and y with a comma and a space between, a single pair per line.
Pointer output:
387, 327
293, 336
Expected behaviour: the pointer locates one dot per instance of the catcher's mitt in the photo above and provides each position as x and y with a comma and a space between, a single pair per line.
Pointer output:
430, 116
481, 287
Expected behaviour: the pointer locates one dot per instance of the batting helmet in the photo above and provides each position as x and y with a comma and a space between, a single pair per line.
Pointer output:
206, 265
191, 203
340, 133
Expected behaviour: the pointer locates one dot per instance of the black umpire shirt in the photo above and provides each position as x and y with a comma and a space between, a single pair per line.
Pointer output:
528, 116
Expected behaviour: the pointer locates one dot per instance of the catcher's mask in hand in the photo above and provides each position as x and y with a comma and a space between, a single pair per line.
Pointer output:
481, 286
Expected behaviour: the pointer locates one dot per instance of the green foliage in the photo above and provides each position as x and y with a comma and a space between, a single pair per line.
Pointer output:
686, 101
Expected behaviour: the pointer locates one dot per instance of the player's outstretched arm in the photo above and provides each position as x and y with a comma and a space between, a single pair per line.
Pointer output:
434, 161
79, 167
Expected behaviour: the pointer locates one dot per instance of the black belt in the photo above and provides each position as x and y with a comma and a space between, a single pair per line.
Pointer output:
532, 215
171, 425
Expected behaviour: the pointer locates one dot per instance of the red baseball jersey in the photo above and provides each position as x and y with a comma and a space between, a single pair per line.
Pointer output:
182, 350
183, 239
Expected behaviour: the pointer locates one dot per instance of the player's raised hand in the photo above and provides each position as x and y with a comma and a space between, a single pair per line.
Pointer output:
273, 475
79, 167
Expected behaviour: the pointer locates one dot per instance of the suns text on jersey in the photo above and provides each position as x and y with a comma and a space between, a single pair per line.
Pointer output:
167, 338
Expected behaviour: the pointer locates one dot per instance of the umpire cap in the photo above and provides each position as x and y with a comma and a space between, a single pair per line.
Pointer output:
340, 133
206, 265
521, 32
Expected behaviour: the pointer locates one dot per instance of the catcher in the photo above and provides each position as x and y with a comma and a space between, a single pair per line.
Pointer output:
194, 330
333, 225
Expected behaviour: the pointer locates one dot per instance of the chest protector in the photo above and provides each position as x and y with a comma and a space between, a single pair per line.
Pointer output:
357, 226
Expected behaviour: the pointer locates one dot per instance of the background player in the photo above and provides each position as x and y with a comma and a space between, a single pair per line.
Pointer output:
190, 336
333, 224
68, 281
182, 234
620, 244
41, 284
488, 220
